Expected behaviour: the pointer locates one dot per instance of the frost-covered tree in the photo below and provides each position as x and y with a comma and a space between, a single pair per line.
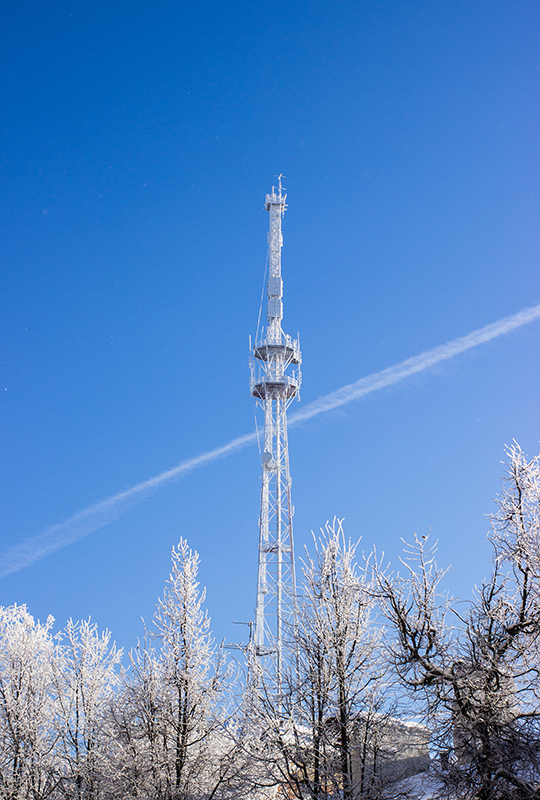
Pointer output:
86, 676
319, 738
172, 737
478, 673
139, 728
27, 706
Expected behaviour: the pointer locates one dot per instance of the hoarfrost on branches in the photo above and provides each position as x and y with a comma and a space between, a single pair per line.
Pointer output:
479, 677
27, 705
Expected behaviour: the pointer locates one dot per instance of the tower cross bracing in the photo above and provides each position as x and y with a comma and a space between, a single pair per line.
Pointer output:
275, 382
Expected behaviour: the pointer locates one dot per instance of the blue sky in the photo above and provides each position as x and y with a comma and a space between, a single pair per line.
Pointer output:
137, 144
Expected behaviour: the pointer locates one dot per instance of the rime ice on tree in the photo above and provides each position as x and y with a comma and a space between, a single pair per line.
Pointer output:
275, 382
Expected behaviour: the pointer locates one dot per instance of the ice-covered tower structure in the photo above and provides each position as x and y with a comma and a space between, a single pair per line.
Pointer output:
275, 382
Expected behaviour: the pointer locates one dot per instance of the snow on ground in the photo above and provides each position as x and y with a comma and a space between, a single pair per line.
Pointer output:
423, 787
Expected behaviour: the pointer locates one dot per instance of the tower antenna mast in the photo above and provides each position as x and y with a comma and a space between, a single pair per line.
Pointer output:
275, 381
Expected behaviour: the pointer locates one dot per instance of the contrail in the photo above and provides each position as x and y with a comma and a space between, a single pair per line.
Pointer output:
96, 516
391, 375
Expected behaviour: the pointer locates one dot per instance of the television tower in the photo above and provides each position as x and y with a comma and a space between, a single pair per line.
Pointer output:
275, 382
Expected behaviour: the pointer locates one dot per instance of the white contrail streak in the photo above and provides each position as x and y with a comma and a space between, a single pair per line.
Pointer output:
96, 516
100, 514
391, 375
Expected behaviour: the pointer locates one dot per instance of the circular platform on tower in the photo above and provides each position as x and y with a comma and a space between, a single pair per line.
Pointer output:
274, 390
290, 354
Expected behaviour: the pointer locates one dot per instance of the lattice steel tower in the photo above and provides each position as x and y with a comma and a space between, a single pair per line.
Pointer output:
275, 382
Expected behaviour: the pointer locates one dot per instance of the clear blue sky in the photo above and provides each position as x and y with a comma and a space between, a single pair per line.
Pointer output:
137, 143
